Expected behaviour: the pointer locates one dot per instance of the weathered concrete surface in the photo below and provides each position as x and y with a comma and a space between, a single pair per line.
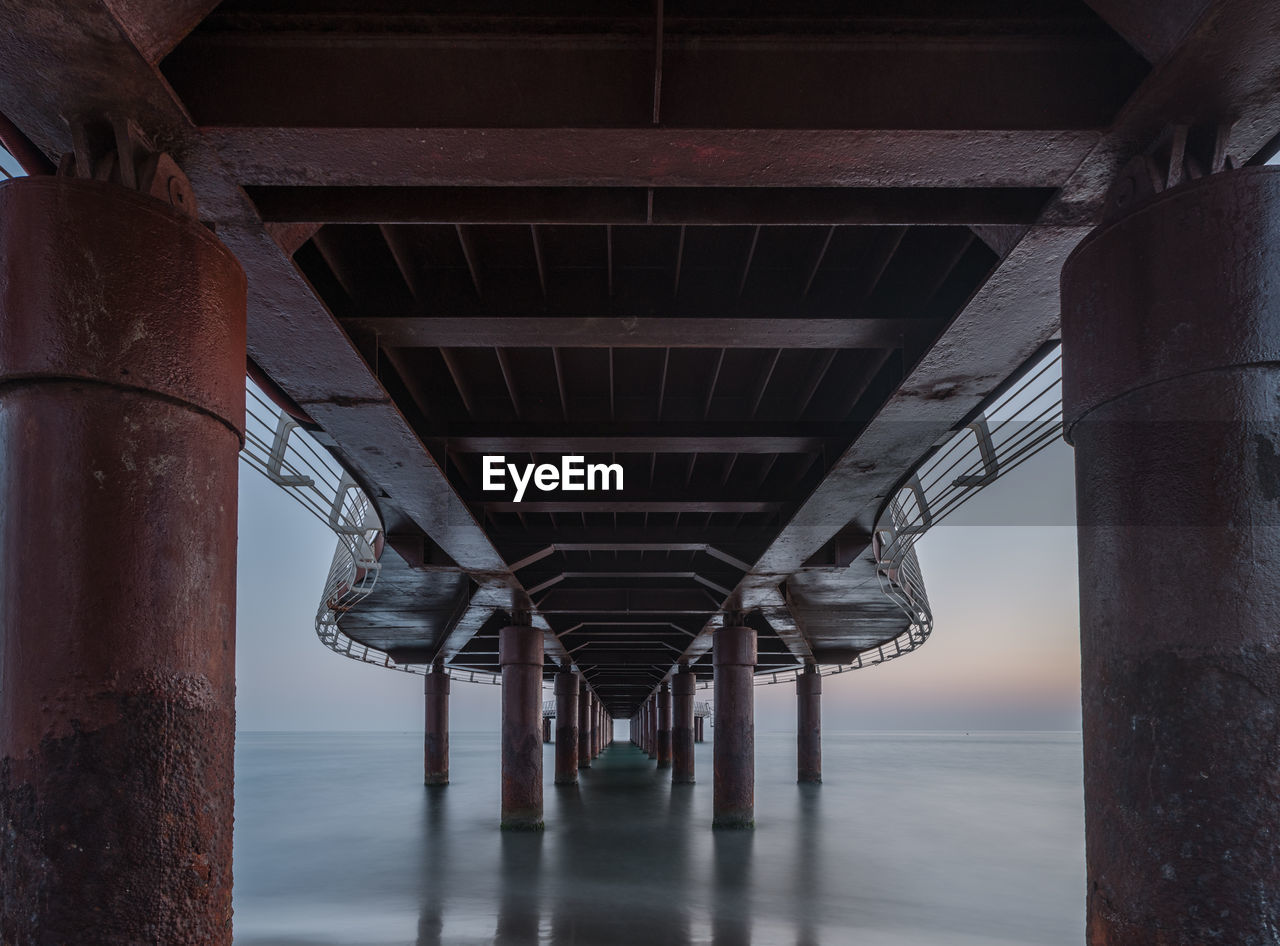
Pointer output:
734, 789
520, 650
122, 355
1171, 335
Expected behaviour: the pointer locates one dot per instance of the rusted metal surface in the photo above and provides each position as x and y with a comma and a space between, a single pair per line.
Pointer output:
1072, 103
436, 741
734, 789
520, 655
584, 726
567, 683
809, 725
1171, 341
664, 726
121, 414
683, 686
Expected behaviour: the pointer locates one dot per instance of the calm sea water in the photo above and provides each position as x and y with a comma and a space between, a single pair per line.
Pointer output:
914, 839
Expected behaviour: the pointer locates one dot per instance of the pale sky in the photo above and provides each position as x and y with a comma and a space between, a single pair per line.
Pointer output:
1000, 573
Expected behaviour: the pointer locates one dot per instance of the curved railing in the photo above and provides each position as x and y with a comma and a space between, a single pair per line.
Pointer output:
701, 709
1016, 425
278, 448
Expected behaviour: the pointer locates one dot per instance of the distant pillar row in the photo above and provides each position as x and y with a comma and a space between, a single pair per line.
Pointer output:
566, 727
809, 725
1171, 366
122, 361
436, 741
683, 686
520, 656
584, 725
733, 791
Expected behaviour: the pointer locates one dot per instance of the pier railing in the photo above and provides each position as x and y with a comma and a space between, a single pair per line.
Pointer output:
1015, 425
278, 448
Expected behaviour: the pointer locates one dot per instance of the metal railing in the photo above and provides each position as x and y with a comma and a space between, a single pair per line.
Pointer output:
278, 448
1015, 426
700, 709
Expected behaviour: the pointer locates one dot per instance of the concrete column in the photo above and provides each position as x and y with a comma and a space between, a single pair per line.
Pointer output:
809, 725
566, 727
683, 685
664, 726
653, 726
733, 794
1171, 340
584, 726
122, 361
436, 742
520, 655
697, 728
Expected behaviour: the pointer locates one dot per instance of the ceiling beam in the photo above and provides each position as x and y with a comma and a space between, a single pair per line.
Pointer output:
695, 437
694, 206
725, 74
652, 332
649, 157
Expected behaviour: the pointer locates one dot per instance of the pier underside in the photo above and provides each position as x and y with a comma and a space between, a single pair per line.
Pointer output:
764, 266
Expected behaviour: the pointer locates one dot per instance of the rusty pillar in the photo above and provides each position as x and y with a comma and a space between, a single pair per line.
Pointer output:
520, 655
664, 726
683, 685
584, 726
734, 656
652, 728
122, 358
1171, 339
809, 725
546, 729
436, 754
566, 728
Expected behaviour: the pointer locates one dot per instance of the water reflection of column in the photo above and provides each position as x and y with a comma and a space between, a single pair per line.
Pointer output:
435, 869
520, 879
680, 811
570, 872
731, 888
808, 867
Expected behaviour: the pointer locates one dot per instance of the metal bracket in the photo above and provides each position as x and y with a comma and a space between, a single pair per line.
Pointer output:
990, 462
1184, 152
117, 150
279, 447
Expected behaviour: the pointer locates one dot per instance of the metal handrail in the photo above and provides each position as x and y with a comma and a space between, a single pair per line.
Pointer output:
278, 448
1012, 428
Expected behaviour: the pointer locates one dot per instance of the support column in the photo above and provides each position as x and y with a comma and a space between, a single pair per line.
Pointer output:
584, 726
595, 728
733, 793
653, 726
683, 685
809, 725
122, 360
520, 655
436, 747
698, 722
664, 726
566, 727
546, 730
1171, 341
